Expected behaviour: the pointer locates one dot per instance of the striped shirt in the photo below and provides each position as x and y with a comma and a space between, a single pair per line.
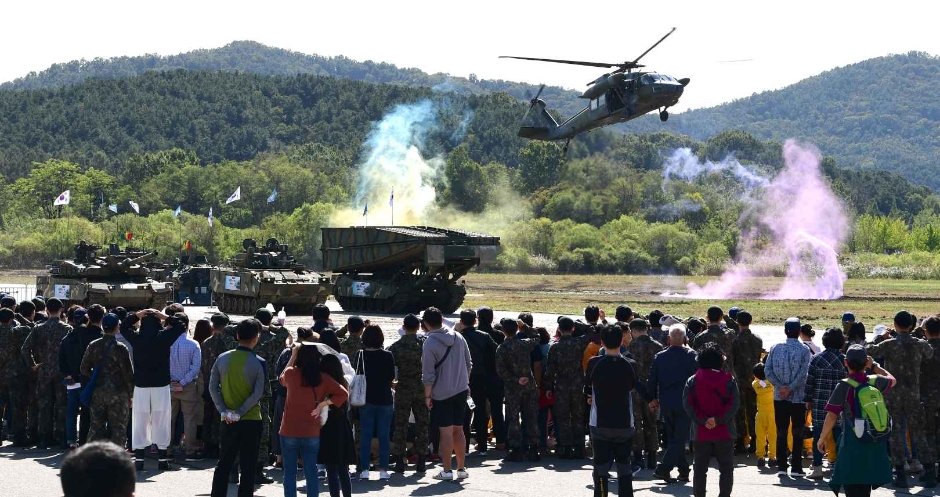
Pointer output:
826, 370
787, 365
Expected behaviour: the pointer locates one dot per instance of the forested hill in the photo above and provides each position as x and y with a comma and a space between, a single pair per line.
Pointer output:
255, 58
882, 113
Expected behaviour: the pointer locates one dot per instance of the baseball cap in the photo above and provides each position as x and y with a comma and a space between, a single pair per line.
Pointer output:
109, 321
733, 312
848, 317
669, 320
79, 315
856, 353
792, 325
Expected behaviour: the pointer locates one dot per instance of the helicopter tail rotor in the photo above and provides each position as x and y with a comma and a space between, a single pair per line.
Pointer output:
537, 123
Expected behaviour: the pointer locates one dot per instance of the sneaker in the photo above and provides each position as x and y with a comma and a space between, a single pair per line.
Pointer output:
383, 475
817, 473
916, 466
663, 475
364, 476
321, 474
684, 477
444, 475
165, 466
761, 463
462, 473
772, 463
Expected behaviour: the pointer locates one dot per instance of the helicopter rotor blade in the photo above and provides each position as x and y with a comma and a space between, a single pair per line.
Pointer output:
650, 49
537, 95
560, 61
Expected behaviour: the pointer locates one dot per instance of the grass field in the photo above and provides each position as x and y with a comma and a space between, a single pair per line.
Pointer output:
871, 300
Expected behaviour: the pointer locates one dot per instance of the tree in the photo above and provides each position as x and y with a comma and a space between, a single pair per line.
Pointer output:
466, 183
539, 165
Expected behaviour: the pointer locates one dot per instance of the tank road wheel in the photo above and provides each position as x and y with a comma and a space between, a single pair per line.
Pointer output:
450, 300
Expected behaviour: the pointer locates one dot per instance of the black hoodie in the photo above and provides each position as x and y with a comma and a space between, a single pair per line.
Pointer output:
152, 351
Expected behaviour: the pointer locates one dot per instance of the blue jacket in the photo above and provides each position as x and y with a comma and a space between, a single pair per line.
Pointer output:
670, 371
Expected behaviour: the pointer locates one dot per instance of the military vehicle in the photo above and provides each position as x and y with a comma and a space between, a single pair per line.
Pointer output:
269, 274
119, 278
618, 96
191, 279
398, 269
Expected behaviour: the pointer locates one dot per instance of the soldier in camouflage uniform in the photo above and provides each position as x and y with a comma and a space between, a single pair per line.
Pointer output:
514, 366
565, 378
214, 346
111, 399
409, 395
40, 351
643, 349
930, 391
14, 374
717, 333
352, 344
746, 349
271, 341
905, 355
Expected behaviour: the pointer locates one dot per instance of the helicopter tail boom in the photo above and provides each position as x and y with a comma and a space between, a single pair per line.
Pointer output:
537, 124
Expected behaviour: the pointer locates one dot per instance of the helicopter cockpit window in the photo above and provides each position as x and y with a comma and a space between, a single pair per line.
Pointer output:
601, 100
646, 79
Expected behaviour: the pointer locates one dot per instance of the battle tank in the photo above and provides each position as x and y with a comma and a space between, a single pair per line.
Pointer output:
120, 278
403, 269
268, 274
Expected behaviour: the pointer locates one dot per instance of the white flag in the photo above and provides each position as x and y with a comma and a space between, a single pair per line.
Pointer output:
64, 198
391, 200
134, 206
113, 208
235, 196
210, 217
178, 211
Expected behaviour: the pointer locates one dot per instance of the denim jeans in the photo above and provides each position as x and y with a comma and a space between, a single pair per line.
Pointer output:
291, 448
75, 432
817, 432
376, 421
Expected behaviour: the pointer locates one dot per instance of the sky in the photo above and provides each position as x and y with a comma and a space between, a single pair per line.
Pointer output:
782, 42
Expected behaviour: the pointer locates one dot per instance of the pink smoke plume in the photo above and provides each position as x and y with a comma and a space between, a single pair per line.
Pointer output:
803, 223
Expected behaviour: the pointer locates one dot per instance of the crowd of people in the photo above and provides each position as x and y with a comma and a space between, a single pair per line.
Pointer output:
260, 398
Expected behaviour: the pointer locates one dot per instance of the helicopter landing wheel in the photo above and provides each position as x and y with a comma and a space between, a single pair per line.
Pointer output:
663, 115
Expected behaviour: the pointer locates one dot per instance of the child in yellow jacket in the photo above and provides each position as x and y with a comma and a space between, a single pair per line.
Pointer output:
765, 425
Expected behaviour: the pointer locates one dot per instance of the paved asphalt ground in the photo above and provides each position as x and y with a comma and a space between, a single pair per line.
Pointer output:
35, 473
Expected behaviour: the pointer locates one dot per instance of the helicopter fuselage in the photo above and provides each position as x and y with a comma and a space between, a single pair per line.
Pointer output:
609, 105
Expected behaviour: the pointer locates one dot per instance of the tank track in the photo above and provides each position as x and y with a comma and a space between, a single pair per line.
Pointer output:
448, 302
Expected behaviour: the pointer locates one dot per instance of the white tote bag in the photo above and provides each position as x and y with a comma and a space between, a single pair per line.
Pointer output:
357, 389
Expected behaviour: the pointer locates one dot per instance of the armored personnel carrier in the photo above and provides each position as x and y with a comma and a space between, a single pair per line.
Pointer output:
268, 274
119, 278
402, 269
191, 277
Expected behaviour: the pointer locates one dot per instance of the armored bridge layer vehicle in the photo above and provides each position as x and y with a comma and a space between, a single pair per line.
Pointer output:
119, 278
401, 269
269, 274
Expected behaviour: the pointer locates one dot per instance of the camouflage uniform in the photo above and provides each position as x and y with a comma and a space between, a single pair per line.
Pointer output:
409, 395
724, 337
904, 356
644, 349
14, 377
42, 348
930, 395
512, 363
564, 376
270, 344
110, 402
351, 345
212, 348
746, 349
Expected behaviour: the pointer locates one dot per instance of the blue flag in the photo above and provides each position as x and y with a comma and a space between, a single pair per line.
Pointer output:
365, 211
272, 196
177, 212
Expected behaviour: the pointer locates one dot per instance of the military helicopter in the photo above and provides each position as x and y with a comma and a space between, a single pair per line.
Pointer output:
615, 97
